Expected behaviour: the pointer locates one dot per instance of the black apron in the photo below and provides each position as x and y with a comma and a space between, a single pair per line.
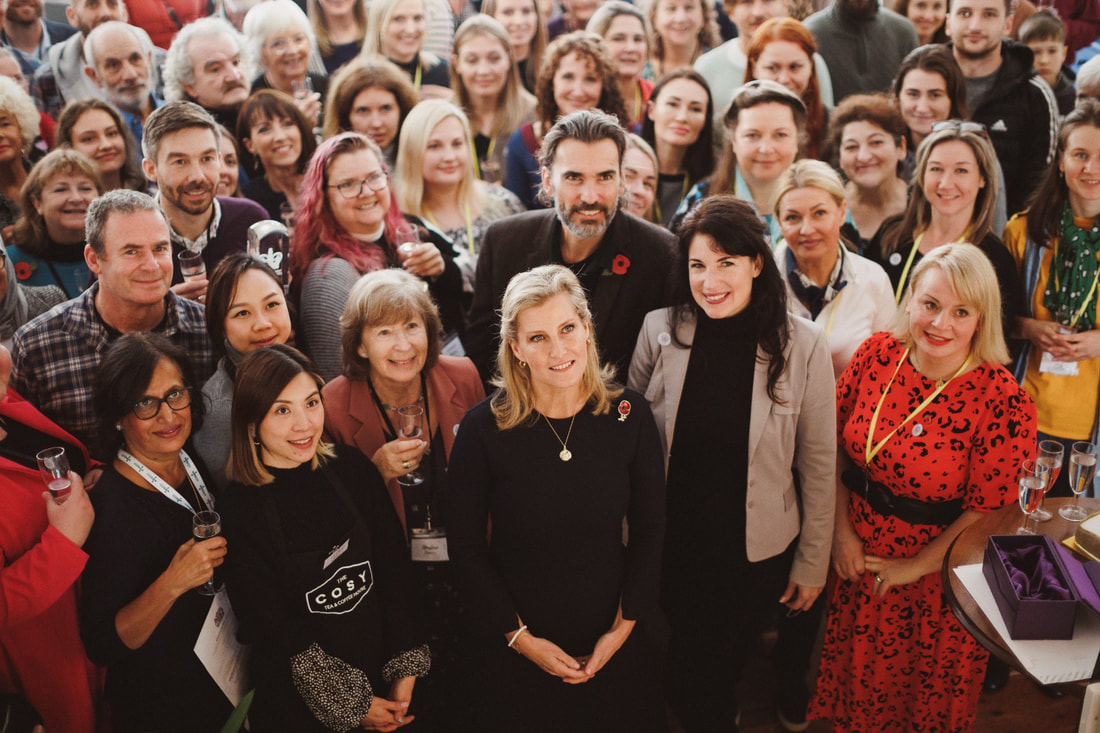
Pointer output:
345, 616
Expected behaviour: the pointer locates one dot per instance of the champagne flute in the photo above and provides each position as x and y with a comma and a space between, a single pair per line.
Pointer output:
1032, 484
206, 525
1082, 466
411, 426
53, 464
1049, 465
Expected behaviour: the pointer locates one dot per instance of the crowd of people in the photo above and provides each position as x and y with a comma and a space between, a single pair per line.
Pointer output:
606, 337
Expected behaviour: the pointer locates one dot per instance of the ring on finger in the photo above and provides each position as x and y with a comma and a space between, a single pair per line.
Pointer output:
406, 465
878, 578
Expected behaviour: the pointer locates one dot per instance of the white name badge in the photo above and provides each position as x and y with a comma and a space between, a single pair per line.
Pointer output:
1048, 365
336, 553
429, 545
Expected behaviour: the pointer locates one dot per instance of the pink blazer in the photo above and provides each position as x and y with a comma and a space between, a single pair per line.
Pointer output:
351, 417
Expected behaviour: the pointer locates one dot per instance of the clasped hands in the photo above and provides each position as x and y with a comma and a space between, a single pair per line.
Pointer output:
574, 671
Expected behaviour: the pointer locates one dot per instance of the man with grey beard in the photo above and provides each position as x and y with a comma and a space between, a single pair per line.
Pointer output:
623, 263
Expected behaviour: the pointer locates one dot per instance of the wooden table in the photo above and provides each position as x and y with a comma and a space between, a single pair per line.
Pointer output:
969, 548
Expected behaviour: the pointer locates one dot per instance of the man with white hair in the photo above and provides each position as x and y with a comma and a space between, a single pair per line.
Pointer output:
208, 64
119, 60
1088, 80
62, 79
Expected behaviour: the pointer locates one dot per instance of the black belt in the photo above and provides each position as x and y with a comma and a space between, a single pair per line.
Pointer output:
889, 504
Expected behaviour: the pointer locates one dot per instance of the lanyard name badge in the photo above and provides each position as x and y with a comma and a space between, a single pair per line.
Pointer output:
1047, 363
162, 486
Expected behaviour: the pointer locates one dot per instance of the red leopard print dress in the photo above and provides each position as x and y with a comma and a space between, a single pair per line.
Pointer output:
903, 663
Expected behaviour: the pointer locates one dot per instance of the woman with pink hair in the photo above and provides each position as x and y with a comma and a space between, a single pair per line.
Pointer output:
348, 224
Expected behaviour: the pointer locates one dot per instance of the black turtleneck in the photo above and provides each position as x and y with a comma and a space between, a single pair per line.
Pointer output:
708, 462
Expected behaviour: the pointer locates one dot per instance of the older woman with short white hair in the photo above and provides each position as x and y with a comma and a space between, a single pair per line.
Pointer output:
18, 111
281, 40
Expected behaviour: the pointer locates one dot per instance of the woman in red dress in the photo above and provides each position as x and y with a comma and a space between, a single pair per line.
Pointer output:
930, 425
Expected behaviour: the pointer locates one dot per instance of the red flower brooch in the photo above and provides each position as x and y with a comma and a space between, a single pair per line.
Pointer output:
624, 410
23, 270
620, 264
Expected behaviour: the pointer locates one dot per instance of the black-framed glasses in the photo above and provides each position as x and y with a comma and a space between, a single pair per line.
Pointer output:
147, 407
377, 181
962, 126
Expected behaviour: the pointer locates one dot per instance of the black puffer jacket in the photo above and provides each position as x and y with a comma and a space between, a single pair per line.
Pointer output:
1022, 117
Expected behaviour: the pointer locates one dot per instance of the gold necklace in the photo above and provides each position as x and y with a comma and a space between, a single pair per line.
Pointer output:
565, 455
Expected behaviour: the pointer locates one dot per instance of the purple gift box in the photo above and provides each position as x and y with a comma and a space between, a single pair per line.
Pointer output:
1031, 585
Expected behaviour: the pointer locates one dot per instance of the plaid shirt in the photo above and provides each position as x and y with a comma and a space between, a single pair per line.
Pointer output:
55, 357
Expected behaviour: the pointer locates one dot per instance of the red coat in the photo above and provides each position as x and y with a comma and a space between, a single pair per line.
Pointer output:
351, 417
41, 655
154, 18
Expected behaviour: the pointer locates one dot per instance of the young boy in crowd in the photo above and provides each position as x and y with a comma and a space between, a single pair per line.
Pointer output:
1045, 35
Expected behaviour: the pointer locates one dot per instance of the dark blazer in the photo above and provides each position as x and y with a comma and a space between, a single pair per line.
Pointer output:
351, 417
58, 32
637, 282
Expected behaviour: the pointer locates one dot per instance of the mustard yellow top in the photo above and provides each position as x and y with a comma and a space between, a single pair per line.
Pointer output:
1066, 405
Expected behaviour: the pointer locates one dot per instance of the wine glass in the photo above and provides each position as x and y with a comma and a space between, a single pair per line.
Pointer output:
192, 266
1049, 465
1082, 466
411, 426
53, 464
1032, 485
206, 525
407, 242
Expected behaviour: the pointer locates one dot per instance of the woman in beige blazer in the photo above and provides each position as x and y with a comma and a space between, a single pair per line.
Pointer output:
743, 395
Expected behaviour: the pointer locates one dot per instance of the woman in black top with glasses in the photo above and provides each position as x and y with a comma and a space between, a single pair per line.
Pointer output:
141, 614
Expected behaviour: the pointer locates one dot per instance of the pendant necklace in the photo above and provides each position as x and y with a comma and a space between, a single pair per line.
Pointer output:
565, 455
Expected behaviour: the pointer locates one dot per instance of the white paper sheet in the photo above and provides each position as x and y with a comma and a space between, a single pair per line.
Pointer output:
1048, 660
225, 659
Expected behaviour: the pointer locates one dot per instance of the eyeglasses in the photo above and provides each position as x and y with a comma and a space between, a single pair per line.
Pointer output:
350, 189
148, 407
975, 127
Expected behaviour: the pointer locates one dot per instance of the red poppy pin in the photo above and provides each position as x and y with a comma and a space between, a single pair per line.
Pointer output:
619, 266
624, 410
23, 270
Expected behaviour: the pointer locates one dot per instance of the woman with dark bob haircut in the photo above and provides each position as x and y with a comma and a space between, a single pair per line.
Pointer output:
320, 573
277, 143
140, 618
753, 386
245, 310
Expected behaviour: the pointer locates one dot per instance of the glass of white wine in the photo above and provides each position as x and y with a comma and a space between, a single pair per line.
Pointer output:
1082, 467
1049, 465
1032, 485
410, 427
206, 525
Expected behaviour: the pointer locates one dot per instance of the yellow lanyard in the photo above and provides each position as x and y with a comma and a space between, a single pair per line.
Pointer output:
868, 453
832, 315
417, 76
469, 227
909, 263
657, 199
1057, 287
637, 100
488, 156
